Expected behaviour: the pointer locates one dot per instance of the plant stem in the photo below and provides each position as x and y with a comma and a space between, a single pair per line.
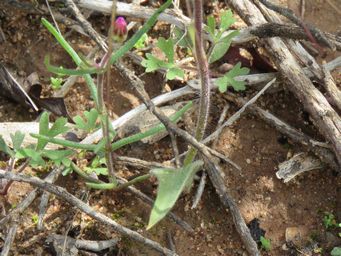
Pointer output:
204, 80
68, 48
112, 186
101, 102
120, 143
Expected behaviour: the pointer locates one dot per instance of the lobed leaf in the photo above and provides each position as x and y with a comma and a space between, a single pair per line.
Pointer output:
167, 46
227, 19
229, 79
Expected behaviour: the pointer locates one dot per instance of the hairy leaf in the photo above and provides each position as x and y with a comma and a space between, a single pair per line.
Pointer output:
5, 148
227, 19
211, 24
167, 46
175, 72
336, 251
221, 47
17, 139
172, 183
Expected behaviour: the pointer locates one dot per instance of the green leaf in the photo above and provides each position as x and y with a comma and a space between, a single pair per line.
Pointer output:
57, 155
152, 63
67, 171
141, 43
211, 24
167, 46
227, 20
97, 170
5, 148
220, 48
36, 159
43, 129
66, 162
171, 184
56, 82
175, 72
180, 38
100, 146
266, 243
71, 72
58, 127
17, 139
229, 79
128, 45
336, 251
89, 123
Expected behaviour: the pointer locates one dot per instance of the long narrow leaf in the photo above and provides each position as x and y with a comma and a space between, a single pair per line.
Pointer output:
70, 72
68, 48
145, 28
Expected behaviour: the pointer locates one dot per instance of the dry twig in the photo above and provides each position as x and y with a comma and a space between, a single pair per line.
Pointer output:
74, 201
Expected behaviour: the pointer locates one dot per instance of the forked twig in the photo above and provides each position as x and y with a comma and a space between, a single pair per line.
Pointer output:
74, 201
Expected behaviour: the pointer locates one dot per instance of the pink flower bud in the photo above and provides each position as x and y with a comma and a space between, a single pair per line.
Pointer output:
120, 31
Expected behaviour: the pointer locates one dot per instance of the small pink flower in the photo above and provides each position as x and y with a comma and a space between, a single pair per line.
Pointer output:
120, 31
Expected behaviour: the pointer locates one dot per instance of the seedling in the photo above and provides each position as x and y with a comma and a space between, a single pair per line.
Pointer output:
172, 182
329, 220
336, 251
153, 63
265, 243
56, 82
141, 43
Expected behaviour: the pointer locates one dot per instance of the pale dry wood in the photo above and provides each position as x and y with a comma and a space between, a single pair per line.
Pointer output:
320, 149
9, 239
324, 116
332, 90
74, 201
175, 17
299, 163
89, 245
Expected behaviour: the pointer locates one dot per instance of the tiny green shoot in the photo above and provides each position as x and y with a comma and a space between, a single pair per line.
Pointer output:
265, 243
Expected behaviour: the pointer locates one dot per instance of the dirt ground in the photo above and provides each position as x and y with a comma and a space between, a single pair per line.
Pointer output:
257, 147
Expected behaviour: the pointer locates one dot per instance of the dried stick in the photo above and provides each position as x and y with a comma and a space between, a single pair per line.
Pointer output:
53, 18
291, 16
334, 6
324, 116
9, 239
74, 201
88, 245
176, 18
150, 202
200, 190
138, 85
138, 162
2, 36
45, 199
23, 205
333, 91
236, 115
163, 98
214, 173
320, 149
86, 25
